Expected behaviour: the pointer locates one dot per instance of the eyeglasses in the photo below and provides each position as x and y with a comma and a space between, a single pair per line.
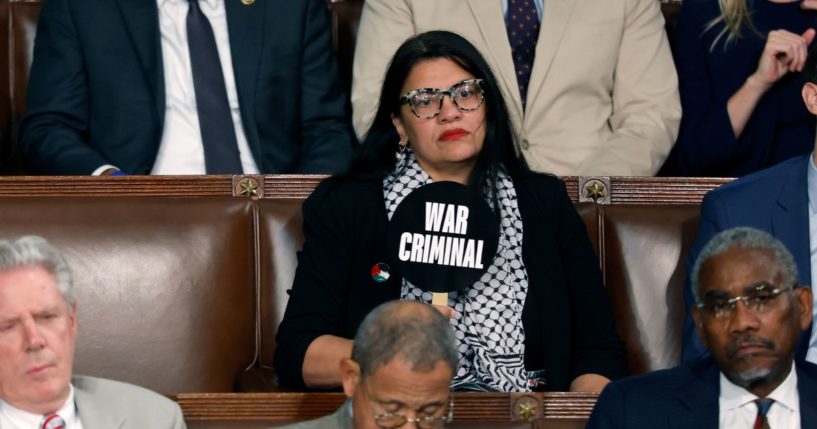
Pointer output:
426, 103
395, 420
759, 300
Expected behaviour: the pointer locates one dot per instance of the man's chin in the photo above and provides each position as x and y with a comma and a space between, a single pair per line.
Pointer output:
47, 392
750, 376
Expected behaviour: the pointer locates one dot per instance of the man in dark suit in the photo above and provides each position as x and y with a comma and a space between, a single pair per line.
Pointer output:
750, 312
779, 200
185, 87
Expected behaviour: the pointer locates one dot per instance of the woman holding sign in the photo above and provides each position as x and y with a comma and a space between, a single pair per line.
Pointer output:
536, 315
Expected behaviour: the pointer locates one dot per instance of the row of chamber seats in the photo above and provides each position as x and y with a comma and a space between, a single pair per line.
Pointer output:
18, 25
181, 281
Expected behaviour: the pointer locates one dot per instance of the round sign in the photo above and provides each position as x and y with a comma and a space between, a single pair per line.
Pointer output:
442, 237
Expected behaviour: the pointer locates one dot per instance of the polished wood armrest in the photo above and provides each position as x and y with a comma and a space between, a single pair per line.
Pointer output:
468, 407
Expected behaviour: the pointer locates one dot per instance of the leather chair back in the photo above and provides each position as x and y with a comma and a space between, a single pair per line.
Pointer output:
644, 252
165, 287
19, 23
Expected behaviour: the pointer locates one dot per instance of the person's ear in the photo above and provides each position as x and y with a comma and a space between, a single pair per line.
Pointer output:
349, 376
697, 317
804, 296
72, 315
810, 97
399, 126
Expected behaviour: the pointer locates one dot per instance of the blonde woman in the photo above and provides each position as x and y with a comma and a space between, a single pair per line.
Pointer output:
738, 67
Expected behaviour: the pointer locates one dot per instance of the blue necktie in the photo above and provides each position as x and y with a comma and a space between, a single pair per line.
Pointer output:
523, 31
221, 154
763, 405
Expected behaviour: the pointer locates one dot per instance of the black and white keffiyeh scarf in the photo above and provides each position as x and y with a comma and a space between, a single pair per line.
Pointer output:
488, 318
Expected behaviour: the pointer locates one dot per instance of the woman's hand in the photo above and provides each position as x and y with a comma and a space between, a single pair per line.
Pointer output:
445, 310
784, 52
809, 4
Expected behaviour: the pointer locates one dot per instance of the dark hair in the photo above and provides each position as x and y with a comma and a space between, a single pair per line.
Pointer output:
410, 330
376, 156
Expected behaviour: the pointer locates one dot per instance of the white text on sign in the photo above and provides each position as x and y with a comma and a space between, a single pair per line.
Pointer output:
438, 249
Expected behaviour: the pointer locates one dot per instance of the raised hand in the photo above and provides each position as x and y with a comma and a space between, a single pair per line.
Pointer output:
784, 52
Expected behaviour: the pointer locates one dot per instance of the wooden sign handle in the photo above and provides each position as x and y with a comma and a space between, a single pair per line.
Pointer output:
439, 298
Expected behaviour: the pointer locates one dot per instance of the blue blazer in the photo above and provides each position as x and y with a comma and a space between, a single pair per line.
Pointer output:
774, 200
96, 94
683, 397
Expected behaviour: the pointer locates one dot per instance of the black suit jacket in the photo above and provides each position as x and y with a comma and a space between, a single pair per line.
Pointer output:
568, 322
683, 397
96, 94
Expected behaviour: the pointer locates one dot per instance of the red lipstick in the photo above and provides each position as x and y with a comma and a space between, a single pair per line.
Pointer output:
453, 134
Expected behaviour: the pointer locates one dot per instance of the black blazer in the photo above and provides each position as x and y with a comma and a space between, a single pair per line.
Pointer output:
96, 94
569, 329
682, 397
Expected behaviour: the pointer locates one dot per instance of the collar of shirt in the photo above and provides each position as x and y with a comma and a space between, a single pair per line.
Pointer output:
24, 419
812, 184
211, 3
733, 396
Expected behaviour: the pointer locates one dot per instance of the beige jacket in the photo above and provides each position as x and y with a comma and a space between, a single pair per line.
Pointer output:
603, 96
108, 404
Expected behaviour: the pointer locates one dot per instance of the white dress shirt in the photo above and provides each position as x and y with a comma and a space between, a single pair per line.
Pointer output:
738, 410
811, 355
15, 418
181, 150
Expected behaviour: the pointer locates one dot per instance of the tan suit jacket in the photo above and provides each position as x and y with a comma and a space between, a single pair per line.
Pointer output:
603, 96
107, 404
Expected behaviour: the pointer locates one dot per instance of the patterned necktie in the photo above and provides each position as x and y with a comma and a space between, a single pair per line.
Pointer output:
221, 154
763, 405
523, 31
53, 421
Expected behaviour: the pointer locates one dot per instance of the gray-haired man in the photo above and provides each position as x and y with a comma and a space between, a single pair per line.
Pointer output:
403, 359
750, 312
38, 329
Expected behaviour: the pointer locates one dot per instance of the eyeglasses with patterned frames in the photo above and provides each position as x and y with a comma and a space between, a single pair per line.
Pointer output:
426, 103
759, 299
396, 420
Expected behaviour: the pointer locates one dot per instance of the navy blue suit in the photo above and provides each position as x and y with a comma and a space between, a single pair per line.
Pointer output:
774, 200
96, 94
780, 127
682, 397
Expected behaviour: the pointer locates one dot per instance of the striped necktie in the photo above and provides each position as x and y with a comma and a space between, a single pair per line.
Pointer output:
763, 405
53, 421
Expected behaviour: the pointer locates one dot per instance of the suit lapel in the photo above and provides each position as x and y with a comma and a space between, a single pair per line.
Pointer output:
555, 18
790, 224
700, 397
245, 25
495, 36
91, 410
141, 19
790, 219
